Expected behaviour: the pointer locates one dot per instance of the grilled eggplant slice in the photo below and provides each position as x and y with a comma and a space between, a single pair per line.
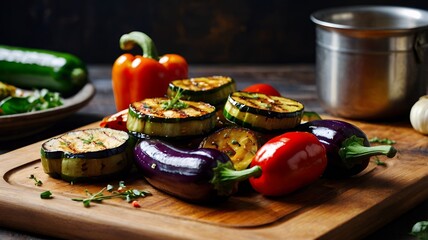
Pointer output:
240, 144
89, 154
213, 90
158, 117
262, 112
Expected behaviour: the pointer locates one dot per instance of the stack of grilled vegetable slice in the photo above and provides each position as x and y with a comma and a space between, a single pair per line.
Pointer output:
170, 118
87, 154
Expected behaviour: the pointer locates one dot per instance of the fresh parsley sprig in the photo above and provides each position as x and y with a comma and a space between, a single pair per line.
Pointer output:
39, 100
420, 230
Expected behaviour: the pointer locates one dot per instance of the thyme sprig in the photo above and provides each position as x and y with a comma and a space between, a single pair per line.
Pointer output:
127, 194
174, 103
37, 182
91, 139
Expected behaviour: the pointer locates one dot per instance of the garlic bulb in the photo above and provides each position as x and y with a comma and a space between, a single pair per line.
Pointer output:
419, 115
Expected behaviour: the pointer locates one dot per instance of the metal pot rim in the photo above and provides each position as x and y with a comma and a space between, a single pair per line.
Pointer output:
339, 17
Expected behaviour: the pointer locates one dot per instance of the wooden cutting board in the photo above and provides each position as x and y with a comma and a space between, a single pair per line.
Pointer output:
328, 209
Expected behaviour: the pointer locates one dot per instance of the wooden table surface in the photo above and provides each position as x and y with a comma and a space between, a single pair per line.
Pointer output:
293, 81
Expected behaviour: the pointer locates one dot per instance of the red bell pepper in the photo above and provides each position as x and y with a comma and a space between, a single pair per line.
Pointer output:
116, 121
289, 161
137, 77
262, 88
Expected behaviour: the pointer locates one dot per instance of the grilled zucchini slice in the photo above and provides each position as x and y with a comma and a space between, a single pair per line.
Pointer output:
89, 154
262, 112
6, 90
151, 117
240, 144
213, 89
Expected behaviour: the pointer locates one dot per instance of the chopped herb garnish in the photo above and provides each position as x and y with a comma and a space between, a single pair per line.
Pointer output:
91, 139
266, 105
420, 230
128, 195
38, 100
235, 142
382, 141
100, 143
379, 162
88, 140
37, 182
174, 103
46, 195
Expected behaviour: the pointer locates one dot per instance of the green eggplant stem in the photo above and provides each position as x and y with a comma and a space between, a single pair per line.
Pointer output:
225, 176
353, 150
128, 41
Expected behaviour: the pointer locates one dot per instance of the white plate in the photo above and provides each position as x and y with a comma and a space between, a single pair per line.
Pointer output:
25, 124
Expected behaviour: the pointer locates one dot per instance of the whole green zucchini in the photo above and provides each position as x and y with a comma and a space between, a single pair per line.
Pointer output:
35, 69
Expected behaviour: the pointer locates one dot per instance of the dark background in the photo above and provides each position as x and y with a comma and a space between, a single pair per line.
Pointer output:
205, 32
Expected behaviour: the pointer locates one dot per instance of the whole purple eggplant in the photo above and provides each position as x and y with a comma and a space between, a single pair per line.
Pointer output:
197, 175
348, 149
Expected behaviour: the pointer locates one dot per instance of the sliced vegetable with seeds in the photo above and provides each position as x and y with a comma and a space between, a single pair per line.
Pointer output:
83, 155
240, 144
262, 112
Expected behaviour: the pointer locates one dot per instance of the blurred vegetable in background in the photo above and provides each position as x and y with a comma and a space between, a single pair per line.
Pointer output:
137, 77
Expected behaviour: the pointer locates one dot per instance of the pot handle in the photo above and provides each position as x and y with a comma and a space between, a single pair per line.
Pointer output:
421, 43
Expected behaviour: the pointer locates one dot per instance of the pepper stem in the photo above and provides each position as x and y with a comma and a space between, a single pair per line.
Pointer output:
353, 150
225, 177
128, 41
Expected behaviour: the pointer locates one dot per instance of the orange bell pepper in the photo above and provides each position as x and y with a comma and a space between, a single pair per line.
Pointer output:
135, 78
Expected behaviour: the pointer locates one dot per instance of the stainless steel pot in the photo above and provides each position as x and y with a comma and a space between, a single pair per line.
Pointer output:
371, 61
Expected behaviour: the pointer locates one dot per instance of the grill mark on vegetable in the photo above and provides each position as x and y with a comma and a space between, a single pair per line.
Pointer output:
272, 104
202, 84
143, 108
69, 145
111, 137
199, 110
257, 101
92, 140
